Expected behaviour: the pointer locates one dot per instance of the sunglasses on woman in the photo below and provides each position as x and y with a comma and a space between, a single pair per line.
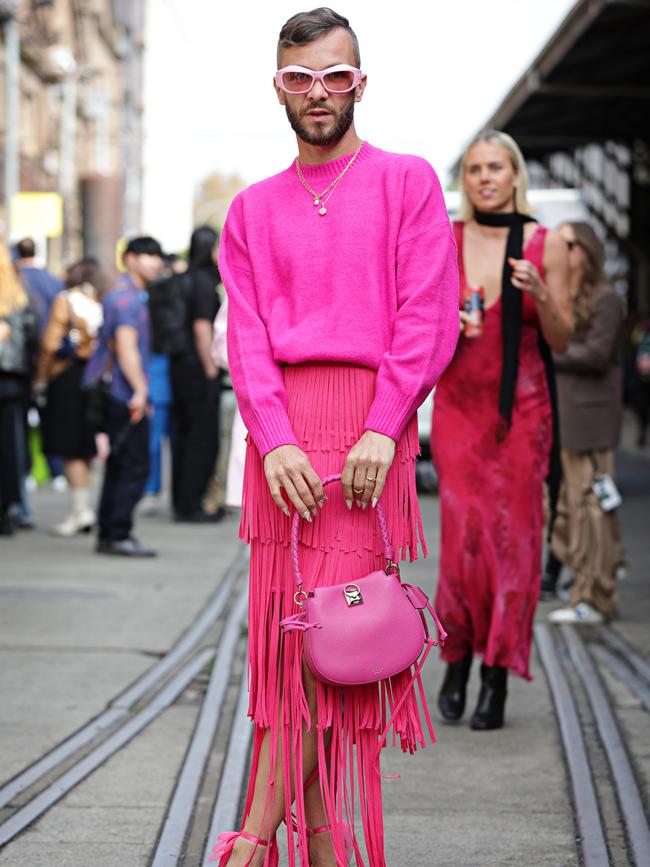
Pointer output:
336, 79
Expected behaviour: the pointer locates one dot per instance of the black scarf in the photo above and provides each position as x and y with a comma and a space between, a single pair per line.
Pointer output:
511, 308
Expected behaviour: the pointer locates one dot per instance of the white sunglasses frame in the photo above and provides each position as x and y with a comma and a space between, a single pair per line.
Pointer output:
318, 76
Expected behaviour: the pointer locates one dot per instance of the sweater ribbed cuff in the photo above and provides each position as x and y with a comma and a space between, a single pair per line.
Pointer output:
271, 428
389, 413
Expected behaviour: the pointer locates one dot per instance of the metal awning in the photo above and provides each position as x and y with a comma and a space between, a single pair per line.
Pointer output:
590, 83
581, 115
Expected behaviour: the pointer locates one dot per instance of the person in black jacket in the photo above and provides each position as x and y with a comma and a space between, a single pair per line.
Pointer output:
18, 345
196, 385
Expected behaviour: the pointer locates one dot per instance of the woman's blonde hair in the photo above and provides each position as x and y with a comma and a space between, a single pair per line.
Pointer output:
12, 292
503, 140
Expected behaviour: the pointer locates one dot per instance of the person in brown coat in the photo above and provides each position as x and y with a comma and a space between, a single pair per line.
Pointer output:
589, 381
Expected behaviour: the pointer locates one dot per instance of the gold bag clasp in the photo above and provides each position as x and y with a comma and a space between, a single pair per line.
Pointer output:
352, 593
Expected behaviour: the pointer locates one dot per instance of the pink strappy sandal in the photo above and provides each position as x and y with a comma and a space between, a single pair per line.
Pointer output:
344, 828
225, 843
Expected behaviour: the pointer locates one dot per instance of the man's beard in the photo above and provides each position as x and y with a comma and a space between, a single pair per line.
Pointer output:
342, 125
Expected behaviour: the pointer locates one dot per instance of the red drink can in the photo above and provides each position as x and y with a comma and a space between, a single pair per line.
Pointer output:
475, 309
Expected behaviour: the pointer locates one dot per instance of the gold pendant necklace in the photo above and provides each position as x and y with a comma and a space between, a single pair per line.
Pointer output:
319, 198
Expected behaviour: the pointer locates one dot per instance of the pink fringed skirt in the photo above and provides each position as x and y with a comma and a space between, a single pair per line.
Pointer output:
328, 404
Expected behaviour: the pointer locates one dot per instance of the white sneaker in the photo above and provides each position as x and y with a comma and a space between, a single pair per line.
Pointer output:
582, 613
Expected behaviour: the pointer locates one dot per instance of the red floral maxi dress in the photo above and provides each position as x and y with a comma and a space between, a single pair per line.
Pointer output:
491, 488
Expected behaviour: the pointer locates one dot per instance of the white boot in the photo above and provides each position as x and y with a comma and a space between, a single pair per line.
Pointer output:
81, 518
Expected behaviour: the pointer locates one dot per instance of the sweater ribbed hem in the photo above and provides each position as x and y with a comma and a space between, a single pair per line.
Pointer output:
270, 429
330, 169
389, 413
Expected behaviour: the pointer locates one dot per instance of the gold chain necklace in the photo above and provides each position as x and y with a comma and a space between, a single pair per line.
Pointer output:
319, 198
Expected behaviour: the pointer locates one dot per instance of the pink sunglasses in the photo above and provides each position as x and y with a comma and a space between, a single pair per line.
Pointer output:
335, 79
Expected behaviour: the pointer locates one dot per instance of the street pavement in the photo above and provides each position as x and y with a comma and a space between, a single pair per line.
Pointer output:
76, 629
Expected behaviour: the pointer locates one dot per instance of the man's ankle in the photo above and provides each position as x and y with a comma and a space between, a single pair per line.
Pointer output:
244, 854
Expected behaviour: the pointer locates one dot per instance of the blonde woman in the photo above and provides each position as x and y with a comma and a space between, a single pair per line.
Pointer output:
589, 379
18, 336
493, 429
68, 342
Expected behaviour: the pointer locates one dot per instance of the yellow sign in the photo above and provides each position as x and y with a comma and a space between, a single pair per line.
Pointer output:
120, 247
36, 214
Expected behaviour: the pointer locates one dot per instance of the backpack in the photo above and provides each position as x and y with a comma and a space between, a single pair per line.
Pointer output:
169, 310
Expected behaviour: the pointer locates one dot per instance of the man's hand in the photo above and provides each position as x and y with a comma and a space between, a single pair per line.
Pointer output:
5, 331
366, 467
138, 406
128, 356
288, 467
203, 331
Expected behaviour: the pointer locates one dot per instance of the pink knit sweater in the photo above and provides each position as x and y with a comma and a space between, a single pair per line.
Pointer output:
374, 283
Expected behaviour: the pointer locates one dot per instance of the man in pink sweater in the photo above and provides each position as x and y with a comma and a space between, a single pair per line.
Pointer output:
343, 313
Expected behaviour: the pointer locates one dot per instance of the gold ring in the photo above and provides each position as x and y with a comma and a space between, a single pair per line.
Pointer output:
356, 491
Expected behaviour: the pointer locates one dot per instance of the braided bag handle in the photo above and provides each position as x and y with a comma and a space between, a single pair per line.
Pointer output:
383, 529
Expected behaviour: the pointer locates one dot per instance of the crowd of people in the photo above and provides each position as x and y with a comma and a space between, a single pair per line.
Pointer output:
514, 323
115, 372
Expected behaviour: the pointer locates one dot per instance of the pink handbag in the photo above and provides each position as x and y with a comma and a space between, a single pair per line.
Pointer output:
365, 630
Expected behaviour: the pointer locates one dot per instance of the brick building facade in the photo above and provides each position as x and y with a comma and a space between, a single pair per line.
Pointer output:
79, 115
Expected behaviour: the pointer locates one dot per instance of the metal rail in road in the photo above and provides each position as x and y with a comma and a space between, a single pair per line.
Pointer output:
59, 770
571, 657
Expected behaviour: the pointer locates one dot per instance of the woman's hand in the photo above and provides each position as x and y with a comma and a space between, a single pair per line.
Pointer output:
103, 446
552, 293
366, 467
288, 467
526, 277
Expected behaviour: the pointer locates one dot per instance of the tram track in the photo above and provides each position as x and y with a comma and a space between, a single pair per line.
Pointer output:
599, 832
206, 797
177, 822
31, 792
575, 660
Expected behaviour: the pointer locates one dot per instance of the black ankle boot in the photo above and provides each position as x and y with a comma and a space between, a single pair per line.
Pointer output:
550, 577
451, 699
492, 698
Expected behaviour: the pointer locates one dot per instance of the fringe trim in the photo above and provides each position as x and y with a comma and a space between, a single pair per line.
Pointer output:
327, 409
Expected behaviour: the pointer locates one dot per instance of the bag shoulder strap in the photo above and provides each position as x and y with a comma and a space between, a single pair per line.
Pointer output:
383, 529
